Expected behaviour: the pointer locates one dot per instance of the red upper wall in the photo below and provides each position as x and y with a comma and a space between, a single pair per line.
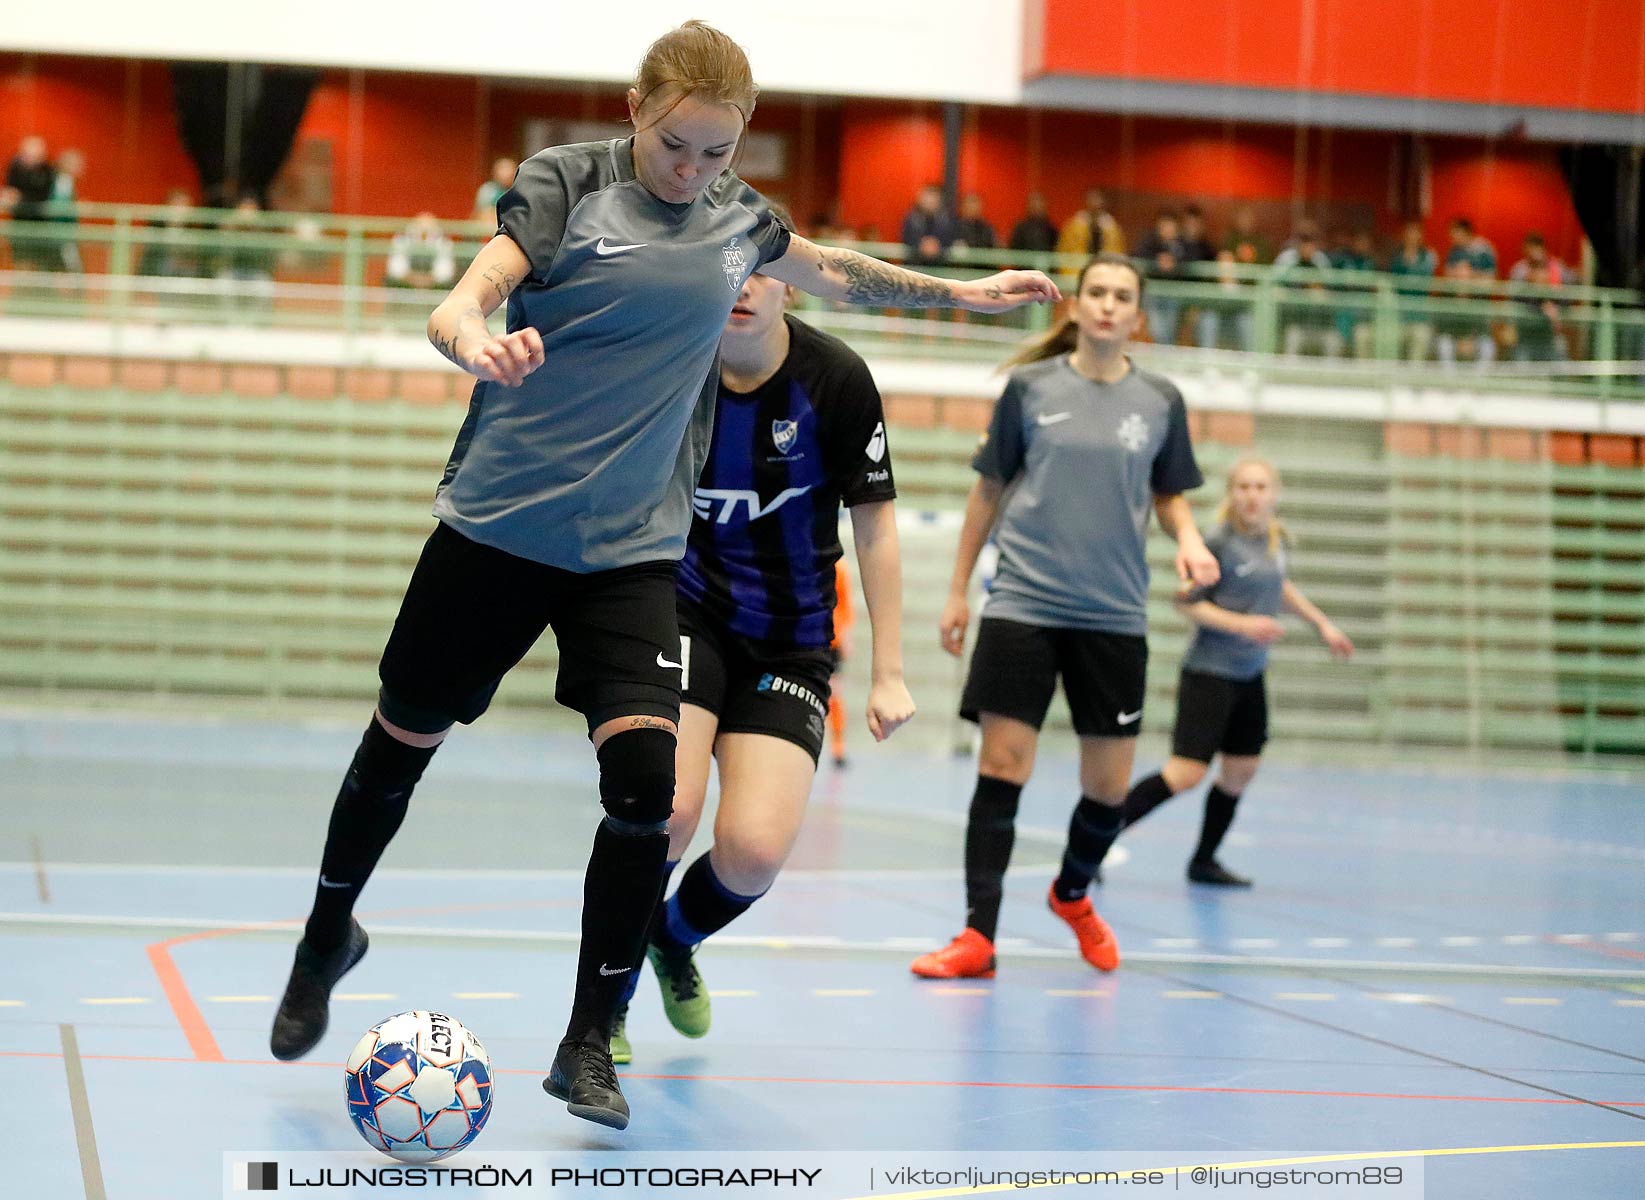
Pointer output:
1582, 55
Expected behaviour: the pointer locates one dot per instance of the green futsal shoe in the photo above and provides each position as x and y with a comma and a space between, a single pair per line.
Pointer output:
622, 1050
685, 999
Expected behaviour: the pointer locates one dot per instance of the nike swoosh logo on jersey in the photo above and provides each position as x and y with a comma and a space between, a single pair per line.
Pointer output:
324, 882
623, 971
1129, 718
668, 666
1052, 418
1245, 569
604, 250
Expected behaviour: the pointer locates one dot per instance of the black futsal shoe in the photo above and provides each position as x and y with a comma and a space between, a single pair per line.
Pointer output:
305, 1009
582, 1076
1210, 871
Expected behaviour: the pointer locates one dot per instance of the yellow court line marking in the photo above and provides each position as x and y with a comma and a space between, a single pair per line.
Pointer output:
1308, 1160
365, 996
842, 991
1631, 1003
1305, 995
485, 995
11, 1004
1185, 994
240, 999
732, 994
1078, 992
1546, 1001
114, 1000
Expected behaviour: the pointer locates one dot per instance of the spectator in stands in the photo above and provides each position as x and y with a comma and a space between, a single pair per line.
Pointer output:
1162, 252
1092, 230
1461, 334
927, 230
422, 256
485, 198
974, 230
1035, 232
171, 249
29, 180
1229, 309
1539, 324
246, 270
1534, 257
1308, 326
65, 190
1414, 260
1248, 245
1196, 246
1356, 252
1476, 251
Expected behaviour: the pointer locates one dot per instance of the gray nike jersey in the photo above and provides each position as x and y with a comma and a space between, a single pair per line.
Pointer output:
1084, 461
1253, 581
590, 464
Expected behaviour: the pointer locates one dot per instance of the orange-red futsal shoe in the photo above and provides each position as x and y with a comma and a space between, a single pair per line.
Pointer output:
1097, 944
969, 956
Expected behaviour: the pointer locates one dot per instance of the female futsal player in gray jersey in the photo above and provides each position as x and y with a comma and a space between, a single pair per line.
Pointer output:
1222, 702
568, 496
1088, 444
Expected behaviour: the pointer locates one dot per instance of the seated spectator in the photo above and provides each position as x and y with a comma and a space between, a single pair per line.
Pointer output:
927, 230
1161, 252
1355, 252
173, 248
1307, 327
1461, 333
246, 268
65, 190
1412, 262
485, 198
29, 181
973, 231
1230, 309
1092, 230
421, 256
1539, 324
1035, 232
1196, 247
1467, 247
1248, 245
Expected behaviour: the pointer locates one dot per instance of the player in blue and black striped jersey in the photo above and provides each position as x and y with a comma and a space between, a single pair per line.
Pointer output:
799, 430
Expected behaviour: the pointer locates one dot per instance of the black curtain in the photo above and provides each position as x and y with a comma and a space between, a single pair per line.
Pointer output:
238, 121
1604, 182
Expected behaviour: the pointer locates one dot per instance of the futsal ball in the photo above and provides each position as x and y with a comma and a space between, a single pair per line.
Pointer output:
419, 1086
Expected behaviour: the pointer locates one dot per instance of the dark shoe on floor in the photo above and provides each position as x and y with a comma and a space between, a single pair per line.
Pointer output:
1214, 873
582, 1076
305, 1010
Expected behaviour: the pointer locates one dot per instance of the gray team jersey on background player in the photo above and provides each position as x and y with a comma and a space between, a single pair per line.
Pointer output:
1253, 581
1086, 460
590, 464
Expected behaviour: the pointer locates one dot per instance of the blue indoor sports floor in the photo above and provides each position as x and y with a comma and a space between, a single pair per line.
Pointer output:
1430, 961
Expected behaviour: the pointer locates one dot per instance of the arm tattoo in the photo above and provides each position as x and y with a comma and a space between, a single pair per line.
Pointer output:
869, 281
501, 280
446, 346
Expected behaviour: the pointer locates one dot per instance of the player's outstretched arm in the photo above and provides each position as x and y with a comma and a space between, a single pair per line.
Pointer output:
1335, 640
836, 274
457, 328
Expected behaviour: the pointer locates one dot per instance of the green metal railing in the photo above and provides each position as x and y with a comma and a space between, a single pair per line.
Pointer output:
318, 271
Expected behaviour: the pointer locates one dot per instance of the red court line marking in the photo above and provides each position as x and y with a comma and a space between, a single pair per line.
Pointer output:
931, 1083
1601, 948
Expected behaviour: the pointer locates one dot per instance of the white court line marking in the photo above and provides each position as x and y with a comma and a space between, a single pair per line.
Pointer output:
364, 996
1396, 942
241, 999
1328, 943
1254, 943
1459, 941
1571, 938
1305, 996
1543, 1001
1187, 994
1630, 1003
485, 995
842, 992
114, 1000
961, 991
1622, 976
1621, 937
732, 994
1409, 998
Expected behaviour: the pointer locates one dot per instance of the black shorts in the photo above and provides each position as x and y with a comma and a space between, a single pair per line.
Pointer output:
1216, 714
472, 611
752, 687
1014, 670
